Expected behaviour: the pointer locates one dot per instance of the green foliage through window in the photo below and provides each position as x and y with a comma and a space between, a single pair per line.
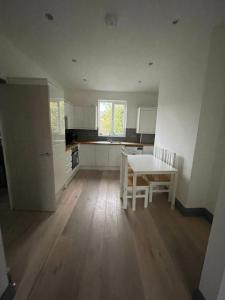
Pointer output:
112, 118
57, 116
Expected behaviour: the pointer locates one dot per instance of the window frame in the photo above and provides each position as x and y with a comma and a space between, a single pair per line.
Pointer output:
60, 129
114, 102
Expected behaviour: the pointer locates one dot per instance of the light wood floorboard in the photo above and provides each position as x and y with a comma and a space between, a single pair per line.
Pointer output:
91, 249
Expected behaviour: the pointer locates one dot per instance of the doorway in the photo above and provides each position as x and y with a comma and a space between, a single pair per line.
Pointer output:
4, 196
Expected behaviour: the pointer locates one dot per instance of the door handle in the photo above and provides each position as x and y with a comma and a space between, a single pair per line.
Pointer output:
45, 154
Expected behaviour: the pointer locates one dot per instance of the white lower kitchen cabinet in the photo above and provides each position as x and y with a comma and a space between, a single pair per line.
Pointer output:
87, 155
114, 156
102, 155
99, 157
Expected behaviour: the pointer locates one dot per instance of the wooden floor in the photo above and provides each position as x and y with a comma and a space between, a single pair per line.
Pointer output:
91, 249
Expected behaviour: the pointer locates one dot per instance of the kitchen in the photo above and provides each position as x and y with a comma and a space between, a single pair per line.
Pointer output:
112, 169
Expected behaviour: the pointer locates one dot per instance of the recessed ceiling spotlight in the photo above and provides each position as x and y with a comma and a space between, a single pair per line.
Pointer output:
74, 60
111, 20
139, 81
175, 21
150, 63
84, 79
49, 16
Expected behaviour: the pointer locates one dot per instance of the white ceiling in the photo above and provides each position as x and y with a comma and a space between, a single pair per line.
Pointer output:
111, 59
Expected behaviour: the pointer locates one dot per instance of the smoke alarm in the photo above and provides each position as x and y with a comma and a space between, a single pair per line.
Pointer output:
110, 20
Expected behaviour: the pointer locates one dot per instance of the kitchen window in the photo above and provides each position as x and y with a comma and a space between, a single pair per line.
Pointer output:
57, 116
112, 116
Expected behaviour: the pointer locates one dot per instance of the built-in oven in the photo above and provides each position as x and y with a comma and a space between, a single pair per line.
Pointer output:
75, 157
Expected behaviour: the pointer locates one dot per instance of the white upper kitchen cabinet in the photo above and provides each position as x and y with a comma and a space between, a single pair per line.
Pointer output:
146, 120
69, 115
85, 117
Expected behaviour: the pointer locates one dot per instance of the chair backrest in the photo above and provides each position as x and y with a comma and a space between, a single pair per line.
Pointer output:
124, 168
158, 152
169, 157
165, 155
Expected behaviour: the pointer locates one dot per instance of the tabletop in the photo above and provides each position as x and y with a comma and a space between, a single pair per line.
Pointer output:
148, 164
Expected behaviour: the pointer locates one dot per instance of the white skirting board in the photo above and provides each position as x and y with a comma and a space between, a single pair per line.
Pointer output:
100, 168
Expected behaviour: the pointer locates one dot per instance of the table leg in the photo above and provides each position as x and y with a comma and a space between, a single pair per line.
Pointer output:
173, 198
134, 191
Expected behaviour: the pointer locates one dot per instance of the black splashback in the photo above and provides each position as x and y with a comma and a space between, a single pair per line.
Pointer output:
80, 135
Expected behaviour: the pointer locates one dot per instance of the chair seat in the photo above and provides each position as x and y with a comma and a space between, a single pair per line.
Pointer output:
158, 177
140, 181
130, 171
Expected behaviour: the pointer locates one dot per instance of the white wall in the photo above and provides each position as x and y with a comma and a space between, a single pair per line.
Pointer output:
15, 63
134, 100
214, 264
209, 157
180, 97
221, 295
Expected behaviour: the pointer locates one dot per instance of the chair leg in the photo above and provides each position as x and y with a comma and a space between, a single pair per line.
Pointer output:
134, 203
170, 194
121, 191
150, 194
146, 199
125, 198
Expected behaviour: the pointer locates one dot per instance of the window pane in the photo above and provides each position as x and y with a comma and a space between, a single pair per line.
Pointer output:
62, 120
105, 118
119, 112
54, 115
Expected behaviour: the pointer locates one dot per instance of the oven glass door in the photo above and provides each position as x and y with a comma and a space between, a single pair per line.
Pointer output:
75, 159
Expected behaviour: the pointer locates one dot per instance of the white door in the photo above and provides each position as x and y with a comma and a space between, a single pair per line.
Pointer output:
28, 146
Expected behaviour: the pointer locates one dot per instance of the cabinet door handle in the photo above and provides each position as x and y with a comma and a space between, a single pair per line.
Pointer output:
45, 154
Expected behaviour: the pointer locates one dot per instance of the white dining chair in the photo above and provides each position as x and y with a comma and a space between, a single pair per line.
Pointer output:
162, 183
158, 152
142, 187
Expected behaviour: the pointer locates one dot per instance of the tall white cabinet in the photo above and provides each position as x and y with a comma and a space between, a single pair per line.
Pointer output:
62, 159
146, 120
26, 132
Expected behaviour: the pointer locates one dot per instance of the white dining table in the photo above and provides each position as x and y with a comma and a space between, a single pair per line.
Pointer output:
146, 164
